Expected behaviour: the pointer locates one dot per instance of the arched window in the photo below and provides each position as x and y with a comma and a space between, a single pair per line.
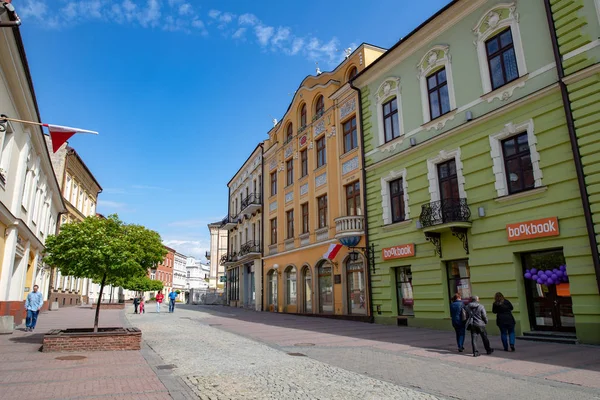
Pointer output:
303, 116
353, 72
290, 286
272, 288
355, 275
325, 288
319, 107
289, 133
307, 282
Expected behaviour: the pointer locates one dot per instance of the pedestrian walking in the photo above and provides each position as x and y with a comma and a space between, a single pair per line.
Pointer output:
33, 305
136, 303
459, 318
476, 322
172, 297
142, 306
159, 300
505, 321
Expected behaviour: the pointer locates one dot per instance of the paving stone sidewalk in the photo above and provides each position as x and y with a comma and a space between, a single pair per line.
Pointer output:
28, 374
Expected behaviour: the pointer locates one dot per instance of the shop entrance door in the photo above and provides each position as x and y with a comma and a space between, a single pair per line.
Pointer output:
550, 305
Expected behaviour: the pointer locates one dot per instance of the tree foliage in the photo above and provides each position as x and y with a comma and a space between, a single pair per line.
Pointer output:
106, 250
142, 284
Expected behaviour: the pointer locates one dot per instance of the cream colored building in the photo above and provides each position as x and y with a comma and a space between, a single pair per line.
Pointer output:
80, 191
218, 248
243, 261
30, 200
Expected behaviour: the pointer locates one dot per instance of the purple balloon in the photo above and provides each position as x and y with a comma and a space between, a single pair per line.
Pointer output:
548, 273
555, 270
563, 267
543, 277
535, 277
534, 271
560, 274
554, 277
565, 273
541, 282
528, 275
550, 282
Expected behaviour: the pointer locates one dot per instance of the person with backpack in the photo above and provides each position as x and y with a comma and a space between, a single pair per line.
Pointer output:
459, 317
476, 322
505, 321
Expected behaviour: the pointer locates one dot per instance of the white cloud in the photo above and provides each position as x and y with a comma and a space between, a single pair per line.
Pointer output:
238, 34
33, 8
282, 35
248, 19
297, 45
111, 204
151, 14
214, 14
196, 248
185, 9
263, 34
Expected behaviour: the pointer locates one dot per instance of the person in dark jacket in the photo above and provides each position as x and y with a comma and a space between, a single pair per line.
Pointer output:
136, 303
505, 321
476, 324
456, 312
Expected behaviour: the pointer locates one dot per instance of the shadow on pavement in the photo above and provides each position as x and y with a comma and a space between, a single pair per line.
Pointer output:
432, 341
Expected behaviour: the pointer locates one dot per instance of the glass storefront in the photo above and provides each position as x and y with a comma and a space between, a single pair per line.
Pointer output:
356, 287
459, 279
307, 277
290, 287
272, 288
548, 293
325, 288
404, 291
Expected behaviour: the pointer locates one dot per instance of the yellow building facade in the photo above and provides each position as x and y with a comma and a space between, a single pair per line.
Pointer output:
313, 198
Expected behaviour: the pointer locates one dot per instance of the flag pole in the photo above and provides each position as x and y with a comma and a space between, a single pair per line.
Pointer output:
2, 118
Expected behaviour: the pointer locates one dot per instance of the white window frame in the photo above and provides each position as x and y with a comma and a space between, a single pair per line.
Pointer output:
489, 25
430, 63
389, 89
68, 184
499, 168
432, 173
386, 199
73, 198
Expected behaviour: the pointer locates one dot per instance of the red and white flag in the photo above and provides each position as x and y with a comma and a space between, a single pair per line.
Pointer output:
60, 134
332, 252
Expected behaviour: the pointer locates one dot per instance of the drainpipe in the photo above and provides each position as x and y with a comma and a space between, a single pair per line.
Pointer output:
262, 226
589, 222
364, 195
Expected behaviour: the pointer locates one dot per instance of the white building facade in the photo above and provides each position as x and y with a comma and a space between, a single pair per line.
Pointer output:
197, 274
218, 248
30, 198
180, 274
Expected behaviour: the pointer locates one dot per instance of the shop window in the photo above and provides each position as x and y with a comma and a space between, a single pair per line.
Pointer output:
355, 275
325, 288
272, 288
307, 281
459, 279
404, 291
290, 283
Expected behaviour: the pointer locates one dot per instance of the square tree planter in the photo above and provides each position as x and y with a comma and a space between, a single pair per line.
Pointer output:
106, 339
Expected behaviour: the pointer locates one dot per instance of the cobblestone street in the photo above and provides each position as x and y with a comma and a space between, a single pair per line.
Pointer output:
228, 353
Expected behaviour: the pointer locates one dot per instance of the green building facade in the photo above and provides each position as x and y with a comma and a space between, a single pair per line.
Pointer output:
471, 184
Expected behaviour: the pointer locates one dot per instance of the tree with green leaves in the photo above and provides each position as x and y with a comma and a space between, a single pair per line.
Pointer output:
142, 284
106, 250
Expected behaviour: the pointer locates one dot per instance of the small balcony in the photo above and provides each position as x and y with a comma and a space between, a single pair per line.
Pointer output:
353, 225
443, 215
207, 255
250, 249
251, 204
228, 222
228, 259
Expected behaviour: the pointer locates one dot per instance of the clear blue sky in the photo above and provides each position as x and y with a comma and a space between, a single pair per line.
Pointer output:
181, 91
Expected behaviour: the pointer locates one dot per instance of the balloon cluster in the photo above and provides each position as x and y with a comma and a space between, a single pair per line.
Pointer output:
548, 277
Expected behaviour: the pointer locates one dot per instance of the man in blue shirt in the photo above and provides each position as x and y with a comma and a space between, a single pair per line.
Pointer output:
172, 297
33, 305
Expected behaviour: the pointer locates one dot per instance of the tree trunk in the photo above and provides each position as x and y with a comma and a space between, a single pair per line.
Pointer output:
99, 301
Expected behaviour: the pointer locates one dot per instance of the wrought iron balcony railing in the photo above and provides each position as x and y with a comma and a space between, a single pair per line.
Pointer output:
252, 246
251, 200
444, 211
228, 258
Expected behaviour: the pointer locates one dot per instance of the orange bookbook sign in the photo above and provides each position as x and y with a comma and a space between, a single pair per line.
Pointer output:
533, 229
401, 251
